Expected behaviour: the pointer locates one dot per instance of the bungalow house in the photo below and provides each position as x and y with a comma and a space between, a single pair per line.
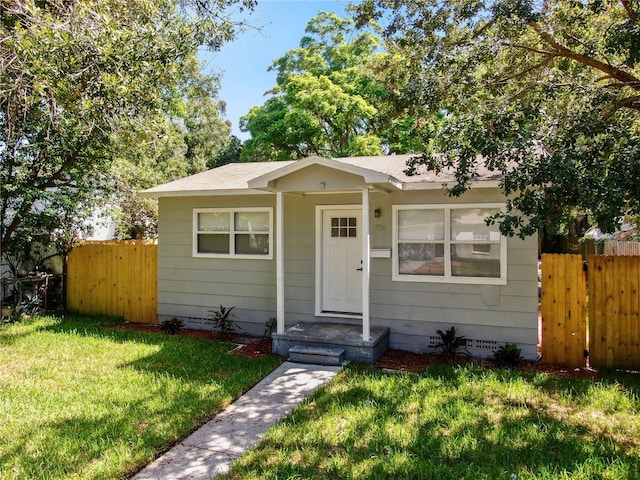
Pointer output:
348, 251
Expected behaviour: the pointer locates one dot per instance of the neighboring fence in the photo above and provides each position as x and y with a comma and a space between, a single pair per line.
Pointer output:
613, 305
114, 278
617, 247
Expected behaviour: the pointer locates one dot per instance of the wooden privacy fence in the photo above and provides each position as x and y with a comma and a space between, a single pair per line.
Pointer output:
618, 247
114, 278
563, 310
614, 311
603, 319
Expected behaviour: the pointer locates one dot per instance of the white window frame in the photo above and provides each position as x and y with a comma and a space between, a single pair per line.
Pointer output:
447, 242
231, 233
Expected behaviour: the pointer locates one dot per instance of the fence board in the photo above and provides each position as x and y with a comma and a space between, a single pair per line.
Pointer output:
619, 247
563, 310
114, 278
614, 334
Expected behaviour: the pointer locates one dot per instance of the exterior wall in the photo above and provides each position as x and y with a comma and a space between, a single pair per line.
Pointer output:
191, 287
317, 177
300, 253
489, 315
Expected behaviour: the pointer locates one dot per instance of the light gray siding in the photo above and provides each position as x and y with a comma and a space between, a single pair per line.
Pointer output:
490, 315
192, 287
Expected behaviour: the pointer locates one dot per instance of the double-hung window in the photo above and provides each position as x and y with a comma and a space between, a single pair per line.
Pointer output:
238, 232
449, 244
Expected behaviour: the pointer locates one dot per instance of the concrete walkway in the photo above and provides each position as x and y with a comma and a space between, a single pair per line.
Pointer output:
212, 448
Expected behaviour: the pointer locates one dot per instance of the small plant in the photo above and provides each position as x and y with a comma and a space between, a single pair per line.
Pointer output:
172, 326
222, 319
452, 344
269, 328
508, 356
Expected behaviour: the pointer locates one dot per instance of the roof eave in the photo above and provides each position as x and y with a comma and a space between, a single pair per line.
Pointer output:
201, 193
440, 185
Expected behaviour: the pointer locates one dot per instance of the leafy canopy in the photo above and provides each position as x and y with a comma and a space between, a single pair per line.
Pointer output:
329, 100
75, 75
546, 92
187, 138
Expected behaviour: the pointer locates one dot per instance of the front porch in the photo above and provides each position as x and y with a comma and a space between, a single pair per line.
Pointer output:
334, 335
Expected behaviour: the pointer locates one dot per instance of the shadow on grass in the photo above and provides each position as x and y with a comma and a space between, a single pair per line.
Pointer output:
74, 446
428, 426
187, 358
8, 339
116, 427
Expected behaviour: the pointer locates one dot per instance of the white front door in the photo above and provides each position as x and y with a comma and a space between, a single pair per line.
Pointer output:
341, 261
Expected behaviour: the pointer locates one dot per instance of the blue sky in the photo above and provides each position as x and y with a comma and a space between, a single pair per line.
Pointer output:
244, 62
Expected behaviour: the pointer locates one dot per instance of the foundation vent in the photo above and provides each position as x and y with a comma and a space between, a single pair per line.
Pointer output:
483, 344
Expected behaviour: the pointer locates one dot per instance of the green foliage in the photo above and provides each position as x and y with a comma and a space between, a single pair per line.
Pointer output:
183, 140
230, 154
451, 344
222, 319
82, 399
508, 355
456, 422
547, 93
172, 326
75, 77
330, 100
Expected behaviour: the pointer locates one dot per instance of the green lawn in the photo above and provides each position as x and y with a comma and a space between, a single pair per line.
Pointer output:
81, 400
456, 423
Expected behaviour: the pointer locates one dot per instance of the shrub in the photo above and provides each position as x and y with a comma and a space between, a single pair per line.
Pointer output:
172, 326
508, 356
222, 319
451, 344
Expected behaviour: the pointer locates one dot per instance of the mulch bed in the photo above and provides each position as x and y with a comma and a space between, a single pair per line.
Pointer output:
403, 361
397, 360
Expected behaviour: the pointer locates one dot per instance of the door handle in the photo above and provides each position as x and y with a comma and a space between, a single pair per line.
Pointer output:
359, 269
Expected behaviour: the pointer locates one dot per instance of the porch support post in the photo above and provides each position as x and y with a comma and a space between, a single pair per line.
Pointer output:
366, 326
279, 262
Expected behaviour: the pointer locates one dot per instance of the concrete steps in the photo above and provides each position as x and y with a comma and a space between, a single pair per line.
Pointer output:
333, 335
317, 355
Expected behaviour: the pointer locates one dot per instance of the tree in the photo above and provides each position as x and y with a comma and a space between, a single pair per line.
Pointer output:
230, 154
73, 76
328, 100
545, 92
182, 141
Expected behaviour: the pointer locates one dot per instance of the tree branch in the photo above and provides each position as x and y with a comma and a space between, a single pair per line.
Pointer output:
627, 8
527, 70
563, 51
630, 102
527, 48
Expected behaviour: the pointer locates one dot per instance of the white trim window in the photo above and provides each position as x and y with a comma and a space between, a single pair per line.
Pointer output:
448, 244
233, 233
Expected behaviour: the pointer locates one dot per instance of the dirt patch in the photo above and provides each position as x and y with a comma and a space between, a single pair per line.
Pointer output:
398, 360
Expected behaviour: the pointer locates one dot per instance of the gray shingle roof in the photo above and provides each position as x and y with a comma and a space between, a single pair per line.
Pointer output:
234, 177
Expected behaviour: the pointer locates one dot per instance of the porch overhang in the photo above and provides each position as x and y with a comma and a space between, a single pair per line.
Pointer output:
375, 179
